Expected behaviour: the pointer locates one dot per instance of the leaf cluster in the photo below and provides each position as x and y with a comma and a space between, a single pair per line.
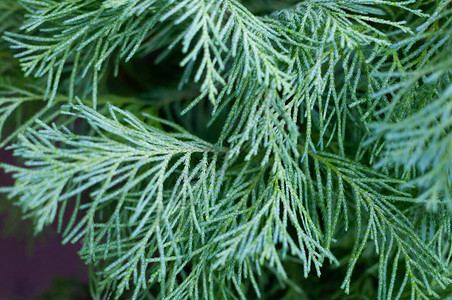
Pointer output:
328, 142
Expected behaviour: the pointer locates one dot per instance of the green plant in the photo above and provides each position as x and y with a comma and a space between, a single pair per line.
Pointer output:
303, 137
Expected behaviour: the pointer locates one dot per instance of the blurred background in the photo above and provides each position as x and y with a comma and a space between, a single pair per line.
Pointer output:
35, 268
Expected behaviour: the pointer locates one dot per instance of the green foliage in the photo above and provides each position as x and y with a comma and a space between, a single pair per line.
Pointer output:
274, 141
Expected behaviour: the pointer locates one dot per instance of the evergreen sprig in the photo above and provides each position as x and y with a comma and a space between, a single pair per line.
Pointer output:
273, 140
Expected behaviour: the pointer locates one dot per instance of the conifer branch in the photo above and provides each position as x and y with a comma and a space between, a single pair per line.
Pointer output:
315, 135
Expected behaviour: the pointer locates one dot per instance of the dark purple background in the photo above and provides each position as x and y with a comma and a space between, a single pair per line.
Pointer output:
26, 274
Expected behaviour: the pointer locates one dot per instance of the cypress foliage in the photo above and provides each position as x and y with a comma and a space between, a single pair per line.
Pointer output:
227, 149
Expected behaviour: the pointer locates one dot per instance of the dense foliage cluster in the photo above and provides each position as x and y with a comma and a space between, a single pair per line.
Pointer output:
222, 149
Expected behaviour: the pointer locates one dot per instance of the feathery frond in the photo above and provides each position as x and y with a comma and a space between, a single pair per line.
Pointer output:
273, 141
